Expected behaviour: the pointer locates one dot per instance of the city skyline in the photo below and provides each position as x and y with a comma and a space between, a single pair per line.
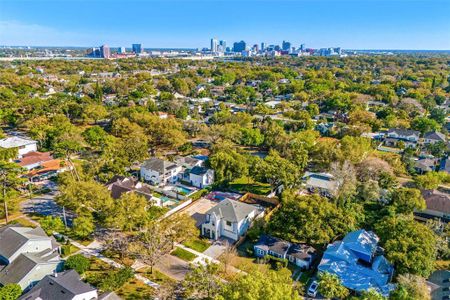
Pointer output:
350, 24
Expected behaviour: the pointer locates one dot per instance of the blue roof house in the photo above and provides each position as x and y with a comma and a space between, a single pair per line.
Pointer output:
358, 262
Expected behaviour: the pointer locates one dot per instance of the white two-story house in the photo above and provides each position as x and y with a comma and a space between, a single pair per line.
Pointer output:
230, 219
394, 136
160, 172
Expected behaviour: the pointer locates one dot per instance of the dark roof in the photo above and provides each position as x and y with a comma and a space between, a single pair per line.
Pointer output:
65, 285
434, 135
280, 246
199, 170
405, 132
232, 210
437, 201
13, 237
273, 244
24, 263
301, 251
119, 185
158, 165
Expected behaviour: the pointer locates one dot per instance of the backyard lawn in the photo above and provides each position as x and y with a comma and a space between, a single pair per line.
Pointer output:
244, 184
197, 244
183, 254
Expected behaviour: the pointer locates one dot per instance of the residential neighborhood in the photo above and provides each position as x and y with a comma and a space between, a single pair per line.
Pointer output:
258, 178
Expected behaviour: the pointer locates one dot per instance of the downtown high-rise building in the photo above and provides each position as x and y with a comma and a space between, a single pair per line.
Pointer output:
121, 50
105, 52
239, 46
137, 48
286, 46
263, 46
214, 45
222, 46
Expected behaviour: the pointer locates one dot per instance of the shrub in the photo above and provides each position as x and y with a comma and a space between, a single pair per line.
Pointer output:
77, 262
10, 291
117, 279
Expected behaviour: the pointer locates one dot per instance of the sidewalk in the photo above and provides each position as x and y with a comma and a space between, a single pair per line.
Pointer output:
94, 249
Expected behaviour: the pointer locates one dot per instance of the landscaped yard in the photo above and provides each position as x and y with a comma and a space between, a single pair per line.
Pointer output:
156, 276
244, 184
183, 254
135, 289
197, 244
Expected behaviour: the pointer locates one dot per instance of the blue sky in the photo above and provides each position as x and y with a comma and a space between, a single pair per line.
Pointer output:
351, 24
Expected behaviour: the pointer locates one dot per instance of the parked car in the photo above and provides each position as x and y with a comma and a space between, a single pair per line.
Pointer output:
312, 290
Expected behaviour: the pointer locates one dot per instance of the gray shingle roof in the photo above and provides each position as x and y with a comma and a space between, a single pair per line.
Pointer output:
404, 132
233, 211
64, 286
158, 165
435, 135
25, 263
13, 237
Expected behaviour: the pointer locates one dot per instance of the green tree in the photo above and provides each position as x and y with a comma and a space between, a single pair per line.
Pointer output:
202, 282
330, 286
406, 200
83, 226
411, 287
424, 124
129, 212
310, 219
10, 291
77, 262
260, 285
228, 166
430, 180
409, 245
52, 224
9, 183
371, 294
277, 171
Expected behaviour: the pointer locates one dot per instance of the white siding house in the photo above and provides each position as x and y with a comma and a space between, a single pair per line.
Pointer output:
230, 219
24, 146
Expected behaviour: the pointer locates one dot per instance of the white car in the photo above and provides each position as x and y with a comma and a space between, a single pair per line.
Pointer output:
312, 290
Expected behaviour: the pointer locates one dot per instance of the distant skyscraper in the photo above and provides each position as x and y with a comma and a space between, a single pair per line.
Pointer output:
222, 46
104, 51
214, 45
286, 46
137, 48
255, 47
121, 50
302, 47
263, 46
239, 46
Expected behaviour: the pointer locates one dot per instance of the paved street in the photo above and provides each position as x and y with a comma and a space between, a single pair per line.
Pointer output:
45, 205
173, 266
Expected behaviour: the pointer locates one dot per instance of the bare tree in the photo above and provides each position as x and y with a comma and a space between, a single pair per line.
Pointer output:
118, 242
149, 245
228, 255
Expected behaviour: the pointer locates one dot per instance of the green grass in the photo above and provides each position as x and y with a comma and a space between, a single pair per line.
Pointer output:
68, 250
156, 276
199, 245
135, 289
243, 184
183, 254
